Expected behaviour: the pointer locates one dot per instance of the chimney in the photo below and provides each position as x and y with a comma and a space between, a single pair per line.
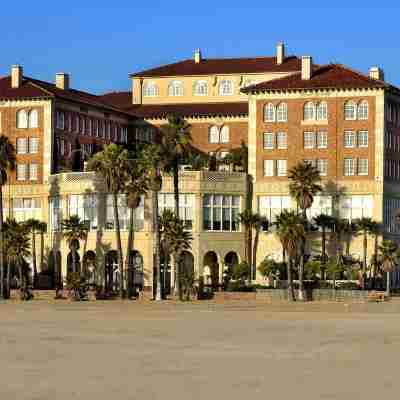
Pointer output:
306, 68
376, 73
197, 56
280, 53
16, 76
62, 81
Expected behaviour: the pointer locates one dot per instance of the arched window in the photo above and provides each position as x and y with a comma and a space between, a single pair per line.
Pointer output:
213, 135
362, 110
309, 111
322, 111
150, 90
226, 88
269, 113
33, 119
224, 134
22, 119
175, 88
200, 88
281, 112
350, 110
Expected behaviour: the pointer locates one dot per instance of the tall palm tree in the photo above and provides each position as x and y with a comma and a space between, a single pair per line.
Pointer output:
324, 222
33, 225
388, 258
42, 229
291, 233
74, 230
365, 226
259, 222
111, 164
7, 163
175, 144
304, 185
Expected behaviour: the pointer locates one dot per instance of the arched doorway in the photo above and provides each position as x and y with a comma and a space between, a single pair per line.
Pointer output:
211, 269
90, 267
135, 272
231, 259
111, 273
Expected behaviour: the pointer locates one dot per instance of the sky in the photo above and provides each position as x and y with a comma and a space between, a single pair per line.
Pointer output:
100, 42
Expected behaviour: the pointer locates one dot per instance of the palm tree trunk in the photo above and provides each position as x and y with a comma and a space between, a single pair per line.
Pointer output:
388, 283
176, 258
119, 245
301, 264
129, 249
34, 258
255, 248
364, 272
250, 246
156, 231
41, 251
1, 246
84, 262
291, 296
74, 260
8, 279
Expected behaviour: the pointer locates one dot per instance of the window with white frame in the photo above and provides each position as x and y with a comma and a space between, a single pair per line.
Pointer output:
349, 139
322, 111
282, 112
150, 90
166, 201
175, 88
269, 112
200, 88
362, 167
22, 145
33, 172
349, 166
85, 206
221, 212
309, 140
350, 110
123, 213
320, 205
27, 208
271, 206
224, 134
218, 134
309, 111
226, 88
268, 140
281, 140
269, 167
33, 145
33, 119
21, 172
22, 119
213, 135
362, 139
281, 167
322, 139
322, 166
56, 215
356, 207
362, 110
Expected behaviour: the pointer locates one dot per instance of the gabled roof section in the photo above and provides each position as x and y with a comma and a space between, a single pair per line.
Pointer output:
188, 110
27, 90
331, 76
222, 66
122, 100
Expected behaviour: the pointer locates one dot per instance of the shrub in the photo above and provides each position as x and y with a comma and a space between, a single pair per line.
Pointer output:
241, 271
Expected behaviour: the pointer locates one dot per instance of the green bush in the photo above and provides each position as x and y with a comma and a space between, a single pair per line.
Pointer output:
241, 271
238, 286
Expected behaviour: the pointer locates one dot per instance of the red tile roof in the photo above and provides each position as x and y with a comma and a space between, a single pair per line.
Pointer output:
190, 110
324, 77
118, 99
33, 88
223, 66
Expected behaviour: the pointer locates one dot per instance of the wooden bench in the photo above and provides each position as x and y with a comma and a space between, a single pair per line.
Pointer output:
377, 296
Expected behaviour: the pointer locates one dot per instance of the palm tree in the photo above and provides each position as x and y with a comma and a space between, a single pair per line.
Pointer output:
112, 164
7, 163
365, 225
304, 185
324, 222
174, 146
238, 157
74, 230
388, 258
259, 222
349, 230
42, 229
33, 225
291, 233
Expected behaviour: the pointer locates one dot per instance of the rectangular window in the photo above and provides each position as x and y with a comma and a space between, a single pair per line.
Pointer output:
22, 146
363, 139
33, 145
281, 167
21, 172
349, 139
60, 120
281, 140
356, 207
85, 206
322, 140
268, 141
124, 213
349, 166
55, 213
271, 206
309, 140
268, 167
27, 208
166, 201
322, 166
320, 205
221, 212
362, 168
33, 172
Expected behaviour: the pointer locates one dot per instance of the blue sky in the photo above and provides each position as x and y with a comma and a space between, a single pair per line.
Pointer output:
101, 42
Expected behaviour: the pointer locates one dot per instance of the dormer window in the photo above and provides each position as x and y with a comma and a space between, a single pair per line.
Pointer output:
226, 88
175, 88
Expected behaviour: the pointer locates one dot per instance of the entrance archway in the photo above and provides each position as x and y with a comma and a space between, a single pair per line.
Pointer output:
231, 259
135, 271
211, 269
